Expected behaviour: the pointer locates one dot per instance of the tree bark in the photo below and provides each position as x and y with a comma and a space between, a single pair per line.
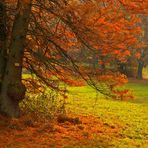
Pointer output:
12, 89
140, 65
3, 50
140, 69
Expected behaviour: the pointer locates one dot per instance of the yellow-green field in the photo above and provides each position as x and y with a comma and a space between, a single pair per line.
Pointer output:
131, 117
127, 120
145, 73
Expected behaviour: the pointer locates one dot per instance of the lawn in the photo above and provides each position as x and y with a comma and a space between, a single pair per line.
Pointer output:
104, 123
131, 117
145, 72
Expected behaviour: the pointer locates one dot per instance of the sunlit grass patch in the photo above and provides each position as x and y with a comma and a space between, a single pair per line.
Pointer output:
131, 115
145, 73
128, 119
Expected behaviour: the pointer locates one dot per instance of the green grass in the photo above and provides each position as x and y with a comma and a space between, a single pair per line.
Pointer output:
140, 92
131, 116
145, 72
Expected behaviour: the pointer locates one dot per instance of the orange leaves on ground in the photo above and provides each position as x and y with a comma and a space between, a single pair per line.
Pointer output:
28, 131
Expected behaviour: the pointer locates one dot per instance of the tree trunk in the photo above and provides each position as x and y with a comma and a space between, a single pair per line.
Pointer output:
12, 89
140, 69
3, 50
141, 65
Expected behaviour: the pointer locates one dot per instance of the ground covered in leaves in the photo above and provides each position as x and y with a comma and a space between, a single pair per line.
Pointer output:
82, 131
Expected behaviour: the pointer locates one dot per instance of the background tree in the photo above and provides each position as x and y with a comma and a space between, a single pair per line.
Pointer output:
143, 52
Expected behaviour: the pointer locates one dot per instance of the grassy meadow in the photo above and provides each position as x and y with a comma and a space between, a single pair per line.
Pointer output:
105, 123
131, 117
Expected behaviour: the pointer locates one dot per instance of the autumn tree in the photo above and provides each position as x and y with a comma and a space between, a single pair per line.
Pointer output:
41, 35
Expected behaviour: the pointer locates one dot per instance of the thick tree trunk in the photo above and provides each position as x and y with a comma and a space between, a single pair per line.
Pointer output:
12, 89
3, 50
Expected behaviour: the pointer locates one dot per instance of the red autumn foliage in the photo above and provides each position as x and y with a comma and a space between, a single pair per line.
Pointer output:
110, 29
